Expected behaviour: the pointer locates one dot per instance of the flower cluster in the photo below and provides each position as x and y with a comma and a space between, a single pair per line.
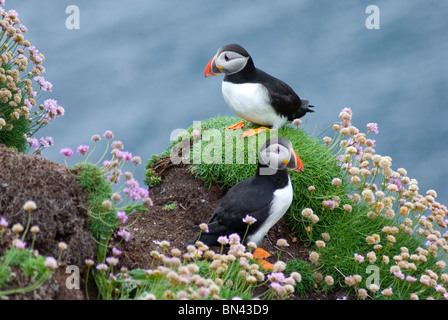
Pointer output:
15, 245
357, 142
177, 275
21, 116
135, 191
391, 195
281, 285
112, 171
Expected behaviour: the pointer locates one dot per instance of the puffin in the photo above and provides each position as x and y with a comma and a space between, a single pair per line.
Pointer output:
265, 196
252, 94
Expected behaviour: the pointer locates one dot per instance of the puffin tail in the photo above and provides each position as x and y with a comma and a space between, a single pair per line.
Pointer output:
210, 240
304, 109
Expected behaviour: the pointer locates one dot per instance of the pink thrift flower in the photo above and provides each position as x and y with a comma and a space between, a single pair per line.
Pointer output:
46, 142
3, 223
51, 105
108, 134
125, 234
223, 240
12, 13
51, 263
372, 127
234, 239
102, 267
249, 220
275, 285
330, 204
33, 142
19, 244
44, 85
116, 252
123, 155
60, 111
117, 145
82, 149
66, 152
122, 216
143, 193
276, 277
359, 258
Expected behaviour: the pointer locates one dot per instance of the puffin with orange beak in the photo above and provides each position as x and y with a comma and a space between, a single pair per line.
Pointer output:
252, 94
266, 196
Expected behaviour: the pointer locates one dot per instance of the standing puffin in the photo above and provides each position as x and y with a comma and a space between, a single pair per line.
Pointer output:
251, 93
266, 196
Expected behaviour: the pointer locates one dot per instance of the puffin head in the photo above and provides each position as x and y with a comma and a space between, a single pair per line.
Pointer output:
230, 59
277, 153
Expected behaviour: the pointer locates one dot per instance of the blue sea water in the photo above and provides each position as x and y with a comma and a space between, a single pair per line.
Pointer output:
136, 68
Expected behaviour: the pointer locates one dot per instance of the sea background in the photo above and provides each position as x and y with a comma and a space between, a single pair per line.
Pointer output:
137, 68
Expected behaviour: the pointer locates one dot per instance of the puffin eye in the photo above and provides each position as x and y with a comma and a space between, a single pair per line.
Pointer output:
226, 57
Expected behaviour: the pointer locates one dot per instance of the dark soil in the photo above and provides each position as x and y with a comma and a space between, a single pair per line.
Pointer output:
60, 215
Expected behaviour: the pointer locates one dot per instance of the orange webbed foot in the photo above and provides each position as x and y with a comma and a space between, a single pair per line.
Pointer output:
253, 132
260, 255
238, 125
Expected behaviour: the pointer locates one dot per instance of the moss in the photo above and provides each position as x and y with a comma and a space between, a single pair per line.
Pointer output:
101, 221
170, 206
151, 178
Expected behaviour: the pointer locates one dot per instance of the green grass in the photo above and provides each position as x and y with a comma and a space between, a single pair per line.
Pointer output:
31, 265
102, 221
306, 270
14, 138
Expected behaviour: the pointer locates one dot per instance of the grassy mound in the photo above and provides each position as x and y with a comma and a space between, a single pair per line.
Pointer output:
365, 224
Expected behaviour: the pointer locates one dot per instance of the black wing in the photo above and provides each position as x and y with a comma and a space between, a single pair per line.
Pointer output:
249, 197
284, 99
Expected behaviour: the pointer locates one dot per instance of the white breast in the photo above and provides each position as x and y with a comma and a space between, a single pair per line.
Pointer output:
280, 203
250, 101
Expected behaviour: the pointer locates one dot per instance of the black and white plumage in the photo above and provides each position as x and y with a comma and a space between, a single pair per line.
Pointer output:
251, 93
266, 196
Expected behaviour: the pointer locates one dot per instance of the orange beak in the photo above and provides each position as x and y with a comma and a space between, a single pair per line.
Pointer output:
295, 163
212, 69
